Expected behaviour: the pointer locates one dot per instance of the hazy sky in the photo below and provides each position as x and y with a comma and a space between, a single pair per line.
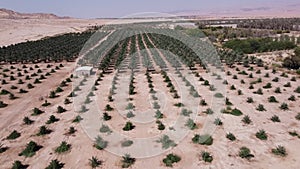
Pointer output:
121, 8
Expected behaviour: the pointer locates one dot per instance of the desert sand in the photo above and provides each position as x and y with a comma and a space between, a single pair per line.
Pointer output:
224, 152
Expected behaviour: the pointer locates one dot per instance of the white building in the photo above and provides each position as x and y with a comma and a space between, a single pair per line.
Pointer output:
84, 71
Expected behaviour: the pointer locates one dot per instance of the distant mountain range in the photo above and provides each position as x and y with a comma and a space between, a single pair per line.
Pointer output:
286, 11
9, 14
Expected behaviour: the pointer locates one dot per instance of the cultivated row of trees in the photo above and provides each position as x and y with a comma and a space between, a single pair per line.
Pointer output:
258, 45
57, 48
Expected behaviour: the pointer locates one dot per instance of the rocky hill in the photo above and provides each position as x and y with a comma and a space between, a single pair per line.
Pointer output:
9, 14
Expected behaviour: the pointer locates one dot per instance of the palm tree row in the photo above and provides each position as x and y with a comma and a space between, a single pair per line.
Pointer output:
57, 48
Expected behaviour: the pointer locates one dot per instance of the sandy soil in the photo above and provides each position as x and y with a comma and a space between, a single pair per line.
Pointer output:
15, 31
224, 152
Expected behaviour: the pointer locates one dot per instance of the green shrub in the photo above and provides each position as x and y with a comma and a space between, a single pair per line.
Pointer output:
206, 83
191, 124
94, 162
37, 81
284, 75
55, 164
259, 91
30, 150
62, 84
246, 119
52, 119
245, 153
58, 90
67, 101
293, 79
13, 87
218, 122
100, 143
280, 151
251, 86
42, 77
275, 118
206, 156
250, 75
297, 116
186, 112
250, 100
208, 111
105, 129
77, 119
18, 165
27, 120
160, 126
156, 105
43, 131
219, 95
83, 109
13, 135
261, 134
267, 86
277, 90
87, 100
225, 82
4, 82
158, 114
108, 108
12, 78
260, 107
128, 126
20, 81
212, 88
267, 75
166, 142
284, 106
227, 102
52, 95
4, 92
60, 109
46, 103
68, 80
230, 137
234, 112
2, 148
288, 84
36, 112
63, 147
203, 139
72, 130
179, 104
126, 143
276, 79
203, 102
292, 98
2, 104
130, 114
106, 116
297, 90
176, 96
23, 91
243, 73
272, 99
170, 159
127, 161
294, 134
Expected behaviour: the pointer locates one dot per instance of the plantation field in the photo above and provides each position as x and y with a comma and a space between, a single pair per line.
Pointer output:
158, 98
